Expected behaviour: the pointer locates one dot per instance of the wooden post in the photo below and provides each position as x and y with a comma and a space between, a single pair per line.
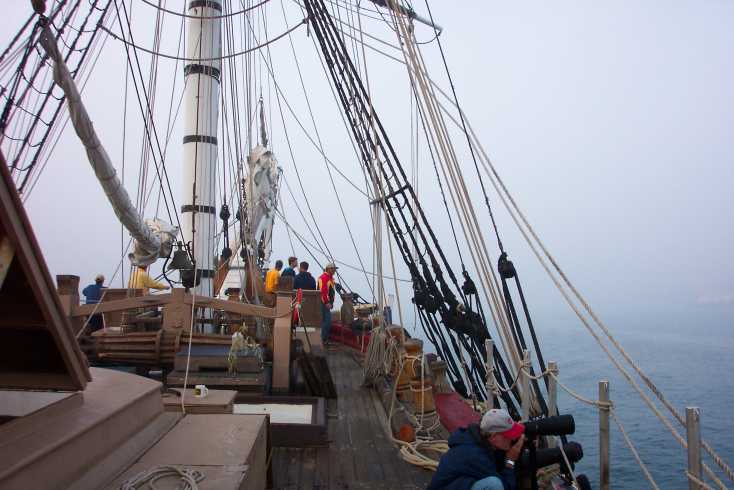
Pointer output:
552, 388
282, 344
693, 431
68, 288
604, 436
177, 314
489, 347
524, 382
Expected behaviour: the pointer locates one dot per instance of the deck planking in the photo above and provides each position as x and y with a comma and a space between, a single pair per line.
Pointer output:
360, 454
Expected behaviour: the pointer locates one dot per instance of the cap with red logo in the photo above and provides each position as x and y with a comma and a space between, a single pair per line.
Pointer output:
499, 421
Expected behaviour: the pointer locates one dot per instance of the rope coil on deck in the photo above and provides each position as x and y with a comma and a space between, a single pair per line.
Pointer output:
188, 477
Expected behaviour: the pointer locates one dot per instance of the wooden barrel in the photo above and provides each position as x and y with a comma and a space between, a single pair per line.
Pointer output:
422, 391
411, 362
414, 347
440, 382
397, 334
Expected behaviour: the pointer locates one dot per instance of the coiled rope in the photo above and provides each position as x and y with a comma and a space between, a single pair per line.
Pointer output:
411, 451
188, 477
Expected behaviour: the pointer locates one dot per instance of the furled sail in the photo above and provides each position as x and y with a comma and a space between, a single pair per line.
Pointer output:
261, 189
153, 238
262, 185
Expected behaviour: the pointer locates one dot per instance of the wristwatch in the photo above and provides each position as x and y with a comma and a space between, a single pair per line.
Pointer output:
510, 464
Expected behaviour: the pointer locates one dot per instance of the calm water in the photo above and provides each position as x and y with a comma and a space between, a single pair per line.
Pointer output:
688, 355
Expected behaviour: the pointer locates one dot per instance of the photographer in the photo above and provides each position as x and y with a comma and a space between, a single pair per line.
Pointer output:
482, 457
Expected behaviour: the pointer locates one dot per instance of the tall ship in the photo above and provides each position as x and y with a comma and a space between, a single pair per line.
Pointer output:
293, 289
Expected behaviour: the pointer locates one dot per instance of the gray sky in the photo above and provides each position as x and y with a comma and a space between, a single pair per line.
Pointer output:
610, 123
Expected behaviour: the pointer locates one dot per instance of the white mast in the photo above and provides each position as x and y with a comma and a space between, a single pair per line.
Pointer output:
201, 99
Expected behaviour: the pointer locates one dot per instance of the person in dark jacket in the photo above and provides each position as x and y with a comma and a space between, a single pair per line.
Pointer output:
93, 295
481, 457
304, 279
290, 271
93, 292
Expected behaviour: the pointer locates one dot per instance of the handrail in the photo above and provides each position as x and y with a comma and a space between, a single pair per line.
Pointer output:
177, 298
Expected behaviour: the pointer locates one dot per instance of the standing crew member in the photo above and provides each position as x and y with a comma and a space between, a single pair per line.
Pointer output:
304, 279
93, 295
272, 277
326, 286
482, 457
141, 280
290, 271
93, 292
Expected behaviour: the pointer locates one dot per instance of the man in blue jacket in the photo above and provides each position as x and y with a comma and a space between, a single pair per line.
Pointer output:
482, 457
93, 295
304, 279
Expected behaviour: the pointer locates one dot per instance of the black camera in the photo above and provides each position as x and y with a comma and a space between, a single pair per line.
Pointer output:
535, 455
557, 425
552, 455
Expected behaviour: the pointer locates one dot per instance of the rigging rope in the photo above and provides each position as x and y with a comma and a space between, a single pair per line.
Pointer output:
463, 124
321, 149
198, 17
158, 166
458, 191
224, 57
433, 293
501, 188
345, 264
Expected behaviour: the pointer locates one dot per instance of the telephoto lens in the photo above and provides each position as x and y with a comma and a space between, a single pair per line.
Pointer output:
552, 455
557, 425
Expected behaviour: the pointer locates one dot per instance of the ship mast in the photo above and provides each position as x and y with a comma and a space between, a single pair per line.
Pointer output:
201, 109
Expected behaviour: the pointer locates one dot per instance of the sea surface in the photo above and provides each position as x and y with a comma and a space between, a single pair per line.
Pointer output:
688, 354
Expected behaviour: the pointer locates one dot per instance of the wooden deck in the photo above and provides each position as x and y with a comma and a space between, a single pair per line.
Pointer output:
359, 455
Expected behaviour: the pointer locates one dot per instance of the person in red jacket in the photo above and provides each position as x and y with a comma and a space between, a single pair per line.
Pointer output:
326, 286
